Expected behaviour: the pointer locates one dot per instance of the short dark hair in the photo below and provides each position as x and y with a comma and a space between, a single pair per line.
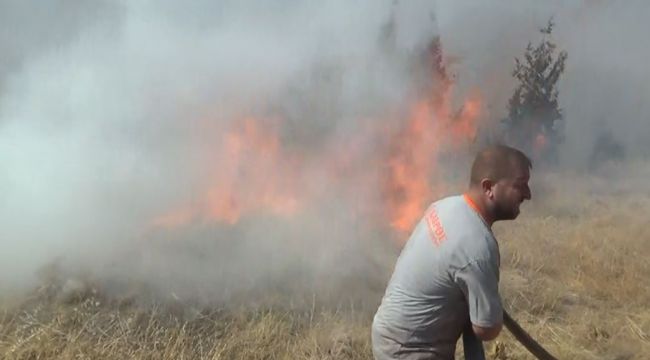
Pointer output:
497, 162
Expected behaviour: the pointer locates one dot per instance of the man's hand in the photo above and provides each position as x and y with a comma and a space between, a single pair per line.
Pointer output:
487, 333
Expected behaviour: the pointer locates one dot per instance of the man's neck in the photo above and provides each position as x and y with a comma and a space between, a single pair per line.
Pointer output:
478, 203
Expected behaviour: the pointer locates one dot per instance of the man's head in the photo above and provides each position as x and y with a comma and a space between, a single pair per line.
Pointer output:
499, 178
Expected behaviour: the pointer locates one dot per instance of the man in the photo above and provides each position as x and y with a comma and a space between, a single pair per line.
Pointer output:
446, 280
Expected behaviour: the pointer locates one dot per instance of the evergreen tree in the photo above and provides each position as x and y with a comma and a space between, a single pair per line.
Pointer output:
535, 121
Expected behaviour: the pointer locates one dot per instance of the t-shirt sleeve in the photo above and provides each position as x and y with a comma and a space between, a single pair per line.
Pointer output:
479, 282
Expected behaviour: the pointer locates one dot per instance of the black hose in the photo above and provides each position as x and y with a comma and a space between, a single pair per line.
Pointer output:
526, 340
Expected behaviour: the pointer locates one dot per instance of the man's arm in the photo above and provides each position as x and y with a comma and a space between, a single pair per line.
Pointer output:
479, 283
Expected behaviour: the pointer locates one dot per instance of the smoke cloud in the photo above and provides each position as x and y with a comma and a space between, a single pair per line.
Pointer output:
118, 121
604, 82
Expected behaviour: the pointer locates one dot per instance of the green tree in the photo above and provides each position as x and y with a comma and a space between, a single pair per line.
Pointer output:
535, 121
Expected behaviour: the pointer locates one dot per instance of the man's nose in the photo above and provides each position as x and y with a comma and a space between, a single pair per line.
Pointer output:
528, 194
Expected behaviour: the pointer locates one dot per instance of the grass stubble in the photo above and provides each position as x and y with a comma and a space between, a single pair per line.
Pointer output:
575, 269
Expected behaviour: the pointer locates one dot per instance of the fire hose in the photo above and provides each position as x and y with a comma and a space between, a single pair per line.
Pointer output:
473, 347
526, 340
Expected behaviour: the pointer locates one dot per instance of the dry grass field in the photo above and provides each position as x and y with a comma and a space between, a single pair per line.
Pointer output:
575, 270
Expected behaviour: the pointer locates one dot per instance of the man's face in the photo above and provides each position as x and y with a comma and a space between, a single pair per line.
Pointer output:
509, 193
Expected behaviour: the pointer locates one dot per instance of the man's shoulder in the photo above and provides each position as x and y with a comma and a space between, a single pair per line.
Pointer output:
451, 206
449, 200
473, 240
456, 213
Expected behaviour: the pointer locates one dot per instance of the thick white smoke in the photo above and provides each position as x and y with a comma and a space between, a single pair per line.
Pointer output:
109, 113
112, 119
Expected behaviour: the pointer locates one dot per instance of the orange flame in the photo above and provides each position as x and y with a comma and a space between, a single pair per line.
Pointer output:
539, 144
173, 219
407, 181
256, 174
431, 129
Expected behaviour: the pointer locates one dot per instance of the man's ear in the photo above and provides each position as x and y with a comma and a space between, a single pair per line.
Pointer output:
487, 185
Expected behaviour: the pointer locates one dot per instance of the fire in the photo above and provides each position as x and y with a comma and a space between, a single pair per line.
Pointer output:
173, 219
464, 126
432, 128
407, 186
255, 174
540, 144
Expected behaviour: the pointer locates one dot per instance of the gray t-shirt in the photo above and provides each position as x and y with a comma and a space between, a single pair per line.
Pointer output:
446, 276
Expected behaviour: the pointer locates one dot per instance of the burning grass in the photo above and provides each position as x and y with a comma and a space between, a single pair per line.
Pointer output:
574, 274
